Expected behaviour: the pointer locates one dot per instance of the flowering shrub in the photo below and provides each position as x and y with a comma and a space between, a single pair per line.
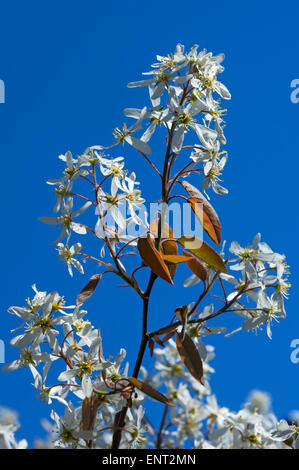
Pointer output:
185, 106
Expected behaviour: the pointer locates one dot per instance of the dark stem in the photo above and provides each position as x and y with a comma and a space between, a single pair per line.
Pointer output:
120, 417
160, 433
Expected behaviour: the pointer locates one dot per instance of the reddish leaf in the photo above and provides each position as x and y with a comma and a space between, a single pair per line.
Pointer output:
204, 211
168, 336
153, 259
151, 345
168, 247
203, 251
89, 289
182, 314
190, 356
158, 341
165, 329
196, 267
176, 259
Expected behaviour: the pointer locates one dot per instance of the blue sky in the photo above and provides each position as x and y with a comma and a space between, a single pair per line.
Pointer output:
65, 68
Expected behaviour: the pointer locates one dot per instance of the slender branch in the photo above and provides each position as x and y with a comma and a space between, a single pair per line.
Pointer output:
223, 289
125, 246
180, 173
120, 417
177, 196
103, 180
150, 162
82, 197
86, 227
223, 309
166, 159
160, 433
95, 259
86, 179
62, 354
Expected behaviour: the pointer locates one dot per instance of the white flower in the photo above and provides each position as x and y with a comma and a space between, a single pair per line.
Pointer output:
212, 171
84, 366
135, 429
65, 221
156, 117
246, 256
113, 168
67, 255
71, 172
133, 197
66, 432
125, 135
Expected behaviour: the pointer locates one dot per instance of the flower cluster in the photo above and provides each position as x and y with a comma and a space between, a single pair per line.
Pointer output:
199, 422
190, 81
195, 421
115, 209
263, 271
258, 295
51, 335
183, 88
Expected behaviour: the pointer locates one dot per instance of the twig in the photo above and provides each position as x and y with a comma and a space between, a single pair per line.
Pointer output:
160, 433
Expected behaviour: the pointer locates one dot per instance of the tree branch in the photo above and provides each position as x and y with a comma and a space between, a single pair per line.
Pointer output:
120, 417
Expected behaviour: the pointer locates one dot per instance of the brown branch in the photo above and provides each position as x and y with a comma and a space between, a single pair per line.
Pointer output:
86, 179
120, 417
95, 259
150, 162
223, 309
160, 433
82, 197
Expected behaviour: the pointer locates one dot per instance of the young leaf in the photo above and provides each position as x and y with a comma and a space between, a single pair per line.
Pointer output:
204, 211
168, 247
158, 341
168, 336
151, 345
196, 267
166, 329
153, 259
203, 251
182, 314
190, 356
150, 391
176, 259
89, 289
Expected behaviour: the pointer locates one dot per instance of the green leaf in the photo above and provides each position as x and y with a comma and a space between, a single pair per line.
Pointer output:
150, 391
